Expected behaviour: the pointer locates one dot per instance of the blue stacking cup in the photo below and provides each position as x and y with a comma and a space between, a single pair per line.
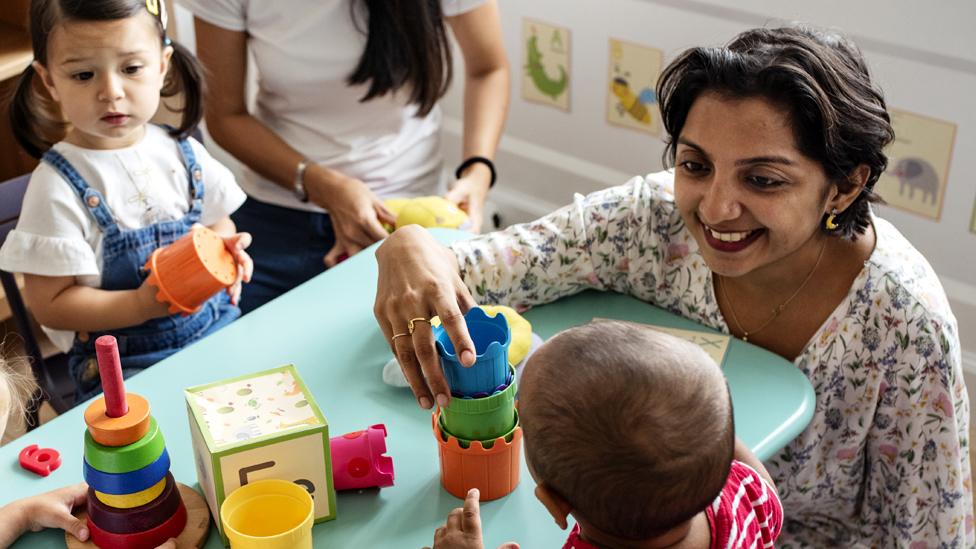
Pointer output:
491, 338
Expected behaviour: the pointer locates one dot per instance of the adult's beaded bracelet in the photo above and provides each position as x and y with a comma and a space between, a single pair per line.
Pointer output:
476, 160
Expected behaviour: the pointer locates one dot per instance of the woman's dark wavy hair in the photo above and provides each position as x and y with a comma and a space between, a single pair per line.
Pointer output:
838, 116
33, 121
406, 46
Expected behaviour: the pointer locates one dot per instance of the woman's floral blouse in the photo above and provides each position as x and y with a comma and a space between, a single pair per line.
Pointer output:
884, 463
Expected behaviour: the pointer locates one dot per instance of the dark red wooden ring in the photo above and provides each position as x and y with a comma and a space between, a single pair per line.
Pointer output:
135, 519
149, 539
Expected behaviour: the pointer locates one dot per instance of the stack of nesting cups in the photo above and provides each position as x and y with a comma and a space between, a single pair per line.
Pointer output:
478, 435
133, 500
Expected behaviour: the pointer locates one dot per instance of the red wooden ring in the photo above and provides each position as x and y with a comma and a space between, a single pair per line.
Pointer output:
148, 539
135, 519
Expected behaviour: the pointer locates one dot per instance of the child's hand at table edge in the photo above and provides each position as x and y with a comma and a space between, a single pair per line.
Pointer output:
463, 527
236, 244
48, 510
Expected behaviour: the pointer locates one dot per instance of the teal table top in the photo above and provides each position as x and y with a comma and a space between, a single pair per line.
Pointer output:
326, 328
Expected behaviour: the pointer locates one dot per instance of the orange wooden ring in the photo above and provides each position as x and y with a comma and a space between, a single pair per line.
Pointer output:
118, 431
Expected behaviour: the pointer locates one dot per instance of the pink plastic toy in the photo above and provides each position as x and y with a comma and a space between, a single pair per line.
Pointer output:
40, 461
358, 460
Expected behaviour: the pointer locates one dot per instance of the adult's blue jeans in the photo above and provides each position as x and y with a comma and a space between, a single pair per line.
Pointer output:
288, 248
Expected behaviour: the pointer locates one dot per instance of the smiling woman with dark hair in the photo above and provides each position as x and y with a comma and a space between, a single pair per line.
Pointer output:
763, 230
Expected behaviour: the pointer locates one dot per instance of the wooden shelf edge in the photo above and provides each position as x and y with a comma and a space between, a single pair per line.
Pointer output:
15, 50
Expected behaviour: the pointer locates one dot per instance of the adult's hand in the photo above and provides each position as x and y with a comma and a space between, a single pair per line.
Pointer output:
470, 192
419, 278
357, 214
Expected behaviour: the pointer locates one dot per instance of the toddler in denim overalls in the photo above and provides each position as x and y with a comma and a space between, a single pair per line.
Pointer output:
115, 188
124, 253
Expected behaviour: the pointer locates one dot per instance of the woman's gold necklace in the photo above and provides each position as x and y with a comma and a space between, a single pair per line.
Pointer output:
777, 310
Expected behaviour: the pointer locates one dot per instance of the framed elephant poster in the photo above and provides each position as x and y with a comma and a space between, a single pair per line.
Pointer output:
918, 164
546, 69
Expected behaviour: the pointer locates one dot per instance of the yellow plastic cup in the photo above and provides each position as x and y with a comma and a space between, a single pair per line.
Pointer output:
268, 514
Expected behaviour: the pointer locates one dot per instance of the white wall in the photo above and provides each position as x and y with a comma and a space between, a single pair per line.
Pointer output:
923, 54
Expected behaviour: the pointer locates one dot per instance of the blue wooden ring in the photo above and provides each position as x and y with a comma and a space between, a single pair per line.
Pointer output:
136, 519
131, 482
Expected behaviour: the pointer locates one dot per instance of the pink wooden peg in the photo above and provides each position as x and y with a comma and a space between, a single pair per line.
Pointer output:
110, 370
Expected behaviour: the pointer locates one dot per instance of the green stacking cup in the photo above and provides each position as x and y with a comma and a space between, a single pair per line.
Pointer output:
486, 444
481, 418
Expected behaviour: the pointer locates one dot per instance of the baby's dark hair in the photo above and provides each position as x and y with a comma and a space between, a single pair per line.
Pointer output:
629, 425
31, 120
839, 116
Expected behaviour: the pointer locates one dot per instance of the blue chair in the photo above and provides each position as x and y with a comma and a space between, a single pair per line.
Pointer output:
55, 383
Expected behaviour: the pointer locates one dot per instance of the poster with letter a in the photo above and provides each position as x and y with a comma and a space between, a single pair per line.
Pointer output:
545, 64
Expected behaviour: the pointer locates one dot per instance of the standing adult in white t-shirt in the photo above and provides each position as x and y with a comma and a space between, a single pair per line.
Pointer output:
346, 116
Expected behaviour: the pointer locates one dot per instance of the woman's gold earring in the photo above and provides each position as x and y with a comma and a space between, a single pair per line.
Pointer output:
831, 226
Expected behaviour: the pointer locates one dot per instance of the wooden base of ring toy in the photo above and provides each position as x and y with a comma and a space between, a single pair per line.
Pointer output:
493, 471
194, 533
122, 430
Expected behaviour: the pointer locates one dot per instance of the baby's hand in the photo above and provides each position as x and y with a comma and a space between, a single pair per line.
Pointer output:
53, 510
236, 245
463, 528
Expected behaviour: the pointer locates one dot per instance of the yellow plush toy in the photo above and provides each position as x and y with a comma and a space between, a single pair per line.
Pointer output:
427, 211
521, 331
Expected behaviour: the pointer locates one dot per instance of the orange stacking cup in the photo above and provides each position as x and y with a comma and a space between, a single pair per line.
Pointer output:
190, 270
493, 471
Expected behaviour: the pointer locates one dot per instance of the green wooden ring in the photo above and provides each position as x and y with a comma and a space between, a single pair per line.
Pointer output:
124, 459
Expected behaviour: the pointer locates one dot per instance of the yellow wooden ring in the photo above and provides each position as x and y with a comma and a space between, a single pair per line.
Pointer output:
128, 501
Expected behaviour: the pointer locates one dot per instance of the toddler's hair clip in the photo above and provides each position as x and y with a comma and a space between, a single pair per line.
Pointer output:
157, 9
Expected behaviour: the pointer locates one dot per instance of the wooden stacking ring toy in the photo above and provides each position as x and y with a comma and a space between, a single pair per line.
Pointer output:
133, 500
128, 483
123, 459
190, 270
136, 519
148, 539
128, 501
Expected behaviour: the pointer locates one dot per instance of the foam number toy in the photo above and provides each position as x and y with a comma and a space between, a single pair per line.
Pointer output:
133, 500
427, 211
40, 461
191, 270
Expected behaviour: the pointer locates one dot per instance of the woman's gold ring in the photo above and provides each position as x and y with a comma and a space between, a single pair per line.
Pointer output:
410, 327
